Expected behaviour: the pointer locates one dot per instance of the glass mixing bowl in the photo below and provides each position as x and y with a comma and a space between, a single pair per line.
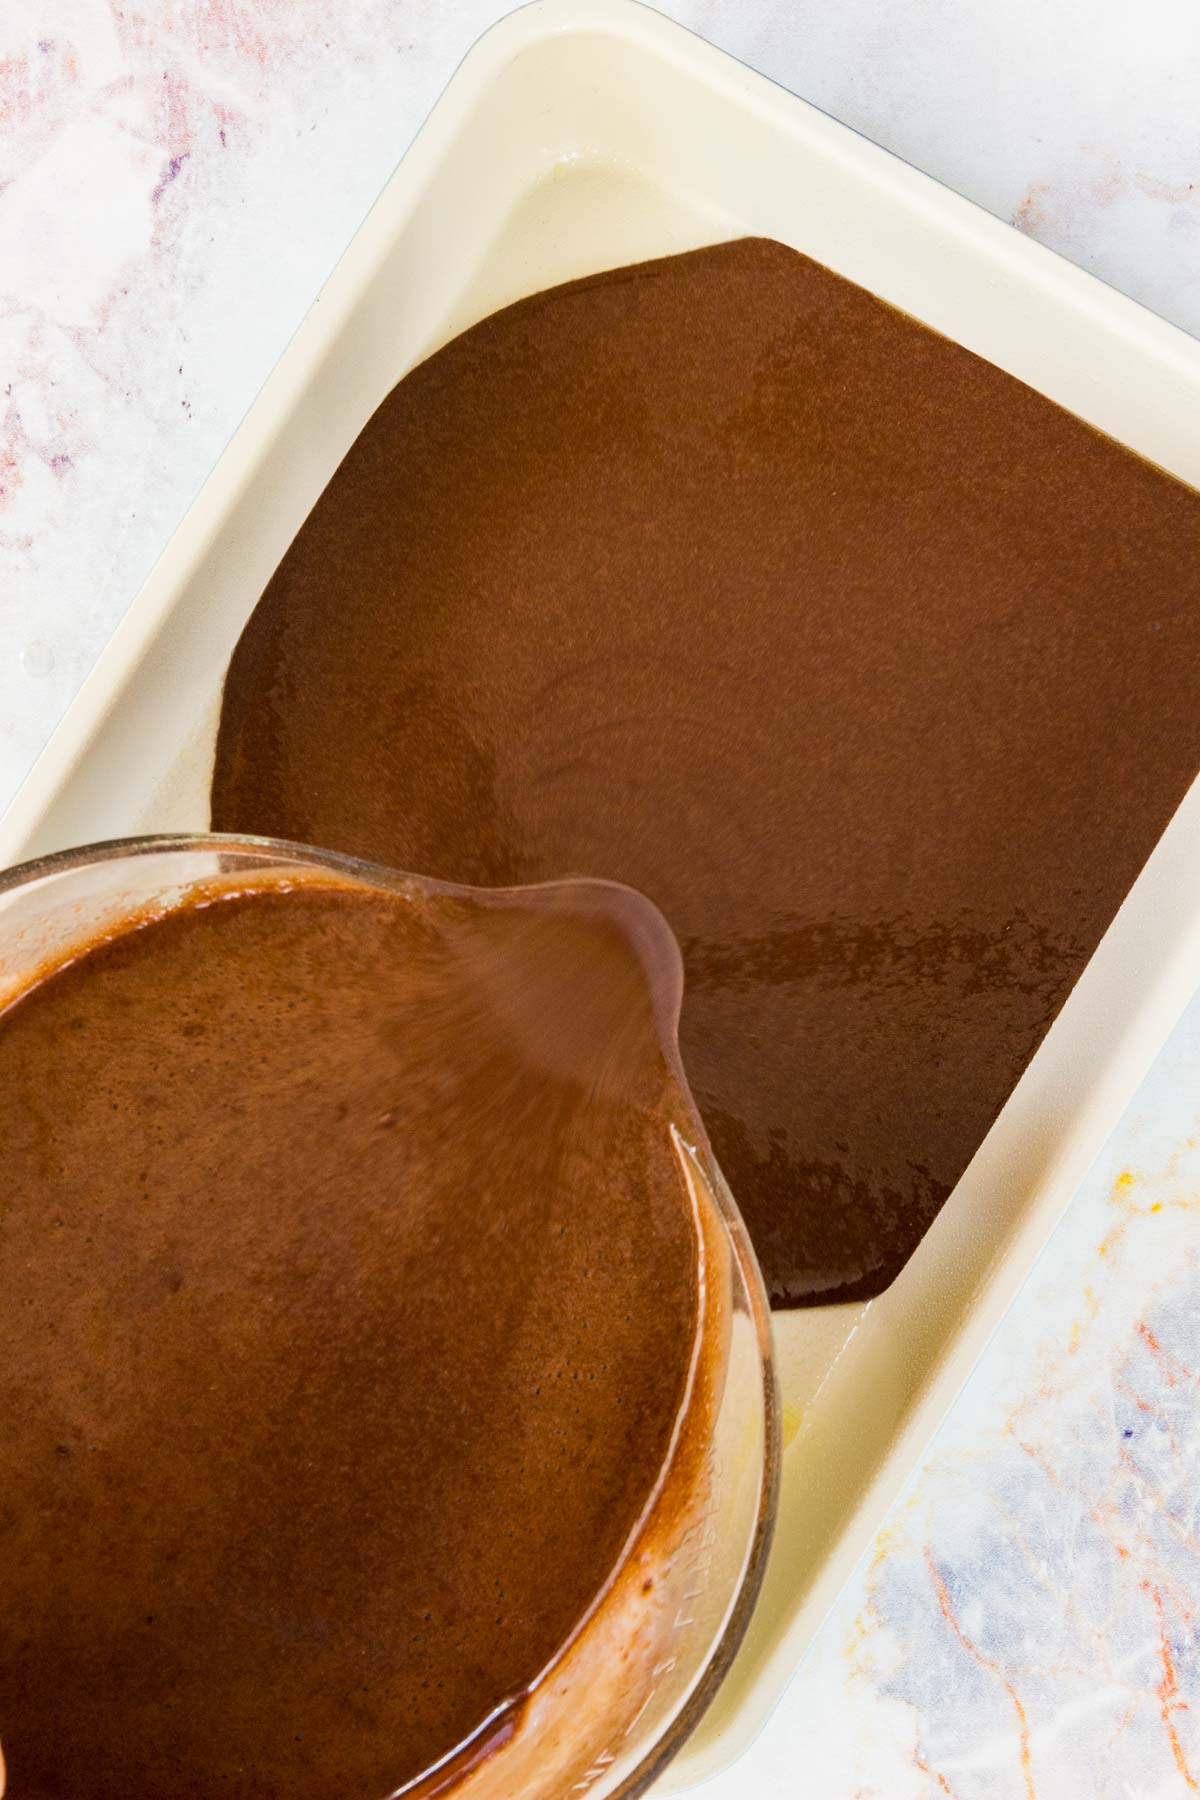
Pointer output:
621, 1695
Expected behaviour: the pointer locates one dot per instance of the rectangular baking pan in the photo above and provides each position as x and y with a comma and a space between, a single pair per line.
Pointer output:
577, 135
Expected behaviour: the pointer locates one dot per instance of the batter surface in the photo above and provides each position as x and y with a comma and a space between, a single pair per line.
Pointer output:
875, 669
351, 1283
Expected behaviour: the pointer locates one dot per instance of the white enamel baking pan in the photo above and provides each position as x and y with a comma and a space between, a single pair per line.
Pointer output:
580, 134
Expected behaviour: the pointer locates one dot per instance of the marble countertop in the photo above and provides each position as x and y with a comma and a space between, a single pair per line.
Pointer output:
176, 180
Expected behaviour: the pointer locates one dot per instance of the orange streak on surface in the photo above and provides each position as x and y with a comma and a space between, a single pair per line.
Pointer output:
1168, 1690
1034, 1453
1173, 1369
925, 1769
987, 1662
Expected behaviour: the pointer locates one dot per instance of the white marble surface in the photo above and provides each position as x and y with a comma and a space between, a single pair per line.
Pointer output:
176, 178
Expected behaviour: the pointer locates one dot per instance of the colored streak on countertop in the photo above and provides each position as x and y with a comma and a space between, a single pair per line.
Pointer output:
175, 183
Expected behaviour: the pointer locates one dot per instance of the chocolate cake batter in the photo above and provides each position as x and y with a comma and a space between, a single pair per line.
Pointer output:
875, 669
351, 1289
